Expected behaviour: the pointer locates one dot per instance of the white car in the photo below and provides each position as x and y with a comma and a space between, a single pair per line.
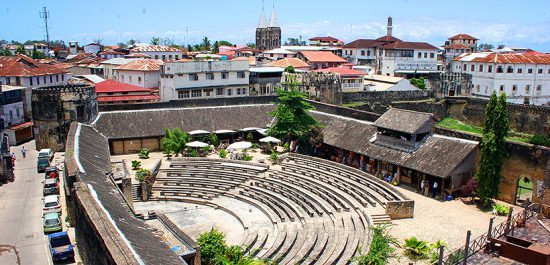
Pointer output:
45, 154
51, 204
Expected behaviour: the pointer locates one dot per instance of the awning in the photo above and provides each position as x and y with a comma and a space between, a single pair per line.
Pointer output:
196, 144
224, 131
240, 145
247, 129
195, 132
270, 139
20, 126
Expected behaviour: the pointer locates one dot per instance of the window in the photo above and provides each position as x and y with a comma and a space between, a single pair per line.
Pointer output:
56, 78
472, 67
464, 67
209, 76
510, 70
420, 56
163, 57
350, 52
224, 75
156, 56
549, 71
197, 93
539, 88
284, 55
62, 77
520, 70
130, 79
208, 92
241, 74
177, 57
501, 88
425, 55
477, 88
229, 91
11, 115
30, 79
527, 89
540, 71
44, 79
17, 113
529, 71
238, 91
490, 69
139, 79
219, 91
514, 88
51, 78
432, 55
368, 54
481, 67
193, 77
122, 78
362, 53
500, 69
183, 94
170, 56
37, 80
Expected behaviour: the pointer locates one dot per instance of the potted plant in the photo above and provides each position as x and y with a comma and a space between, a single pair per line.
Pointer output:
136, 164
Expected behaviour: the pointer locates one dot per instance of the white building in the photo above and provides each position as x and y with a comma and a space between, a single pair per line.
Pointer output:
12, 105
350, 80
73, 47
457, 45
160, 52
525, 78
92, 48
277, 54
204, 79
110, 65
140, 72
387, 83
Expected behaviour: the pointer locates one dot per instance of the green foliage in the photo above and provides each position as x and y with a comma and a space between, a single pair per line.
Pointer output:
381, 249
207, 149
21, 50
292, 116
273, 156
216, 47
493, 147
434, 253
143, 153
174, 141
193, 153
247, 157
155, 41
5, 52
456, 257
205, 44
142, 174
485, 46
213, 139
418, 82
211, 243
416, 249
249, 136
540, 139
290, 69
36, 54
223, 153
136, 164
501, 209
286, 146
251, 45
255, 145
295, 41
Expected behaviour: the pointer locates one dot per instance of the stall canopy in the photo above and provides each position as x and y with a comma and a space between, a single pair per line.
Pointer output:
195, 132
240, 145
196, 144
224, 131
270, 139
247, 129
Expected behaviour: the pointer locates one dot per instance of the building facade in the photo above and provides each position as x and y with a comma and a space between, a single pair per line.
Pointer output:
325, 41
264, 80
525, 78
140, 72
457, 45
160, 52
350, 80
114, 92
268, 36
204, 79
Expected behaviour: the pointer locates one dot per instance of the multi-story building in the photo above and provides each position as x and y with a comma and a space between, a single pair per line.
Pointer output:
325, 41
110, 65
264, 80
525, 78
23, 71
276, 54
140, 72
114, 92
350, 80
457, 45
12, 114
391, 56
204, 79
321, 59
161, 52
92, 48
268, 36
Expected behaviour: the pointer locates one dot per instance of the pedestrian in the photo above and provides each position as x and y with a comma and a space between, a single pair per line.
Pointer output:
422, 183
13, 156
435, 189
427, 188
23, 152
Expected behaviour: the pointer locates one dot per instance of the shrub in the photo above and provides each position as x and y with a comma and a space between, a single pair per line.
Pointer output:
286, 146
540, 139
434, 255
455, 257
255, 145
381, 249
247, 157
249, 136
136, 164
211, 243
207, 149
194, 153
143, 153
416, 249
213, 139
500, 209
223, 153
142, 175
273, 156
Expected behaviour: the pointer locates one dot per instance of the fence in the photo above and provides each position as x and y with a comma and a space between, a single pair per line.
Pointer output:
461, 255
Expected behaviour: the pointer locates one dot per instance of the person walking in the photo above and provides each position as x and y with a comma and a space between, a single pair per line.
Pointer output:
422, 183
23, 152
427, 188
435, 189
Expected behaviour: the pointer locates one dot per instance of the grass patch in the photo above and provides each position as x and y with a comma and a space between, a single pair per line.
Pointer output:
454, 124
354, 104
527, 187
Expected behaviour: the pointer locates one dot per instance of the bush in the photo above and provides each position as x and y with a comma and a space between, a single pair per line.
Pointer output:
211, 243
142, 175
249, 136
381, 249
455, 257
501, 209
213, 139
143, 153
418, 82
136, 164
207, 149
255, 145
273, 156
286, 146
194, 153
416, 249
223, 153
247, 157
540, 139
434, 255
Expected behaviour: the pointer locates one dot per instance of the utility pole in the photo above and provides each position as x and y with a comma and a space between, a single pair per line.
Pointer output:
45, 14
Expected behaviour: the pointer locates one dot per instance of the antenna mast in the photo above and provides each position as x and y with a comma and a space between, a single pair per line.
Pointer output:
45, 14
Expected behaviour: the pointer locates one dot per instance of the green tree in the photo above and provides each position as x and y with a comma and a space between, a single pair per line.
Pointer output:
212, 243
251, 45
225, 43
174, 141
493, 147
21, 50
155, 41
205, 44
292, 116
485, 46
189, 48
131, 42
216, 47
418, 82
290, 69
5, 52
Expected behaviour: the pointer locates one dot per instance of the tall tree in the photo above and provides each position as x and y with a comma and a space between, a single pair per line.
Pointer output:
155, 41
206, 44
98, 41
21, 50
485, 46
131, 42
292, 118
224, 43
216, 47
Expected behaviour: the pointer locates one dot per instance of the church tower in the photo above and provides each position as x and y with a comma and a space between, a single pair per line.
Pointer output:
389, 27
268, 35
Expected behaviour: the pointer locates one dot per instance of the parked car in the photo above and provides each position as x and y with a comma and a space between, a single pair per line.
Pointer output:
42, 164
60, 246
50, 187
45, 153
51, 172
52, 222
51, 203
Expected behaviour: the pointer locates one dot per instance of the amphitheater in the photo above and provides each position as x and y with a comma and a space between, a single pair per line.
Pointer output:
303, 209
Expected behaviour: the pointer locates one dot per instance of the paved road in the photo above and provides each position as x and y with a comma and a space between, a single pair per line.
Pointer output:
22, 240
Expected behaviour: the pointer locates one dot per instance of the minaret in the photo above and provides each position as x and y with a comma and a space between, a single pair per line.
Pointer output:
389, 27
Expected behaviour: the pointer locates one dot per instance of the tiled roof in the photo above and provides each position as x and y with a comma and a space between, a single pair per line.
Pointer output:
128, 98
462, 37
388, 39
21, 125
406, 121
142, 65
155, 48
22, 65
322, 56
138, 55
110, 52
362, 43
343, 71
328, 38
113, 86
408, 45
505, 58
294, 62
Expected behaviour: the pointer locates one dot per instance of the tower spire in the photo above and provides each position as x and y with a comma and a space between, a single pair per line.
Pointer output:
263, 22
389, 27
273, 20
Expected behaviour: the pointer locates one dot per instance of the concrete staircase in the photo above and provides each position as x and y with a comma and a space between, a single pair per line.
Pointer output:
380, 218
136, 192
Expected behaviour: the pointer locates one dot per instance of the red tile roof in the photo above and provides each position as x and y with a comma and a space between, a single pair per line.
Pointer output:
21, 125
388, 39
155, 48
343, 71
113, 86
506, 58
408, 45
21, 65
142, 65
462, 37
328, 38
362, 43
294, 62
128, 98
138, 55
322, 56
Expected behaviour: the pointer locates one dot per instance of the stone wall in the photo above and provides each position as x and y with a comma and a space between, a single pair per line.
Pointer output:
342, 111
379, 101
400, 209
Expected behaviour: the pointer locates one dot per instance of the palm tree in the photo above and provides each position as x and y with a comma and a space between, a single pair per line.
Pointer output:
206, 43
155, 40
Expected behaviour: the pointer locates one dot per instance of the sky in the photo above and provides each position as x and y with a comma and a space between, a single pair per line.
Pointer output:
514, 23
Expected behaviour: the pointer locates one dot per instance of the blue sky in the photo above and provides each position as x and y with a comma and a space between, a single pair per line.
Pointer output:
525, 24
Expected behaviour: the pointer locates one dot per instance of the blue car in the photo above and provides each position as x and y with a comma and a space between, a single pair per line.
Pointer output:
60, 246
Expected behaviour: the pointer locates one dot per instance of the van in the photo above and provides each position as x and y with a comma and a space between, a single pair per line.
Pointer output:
42, 164
45, 153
